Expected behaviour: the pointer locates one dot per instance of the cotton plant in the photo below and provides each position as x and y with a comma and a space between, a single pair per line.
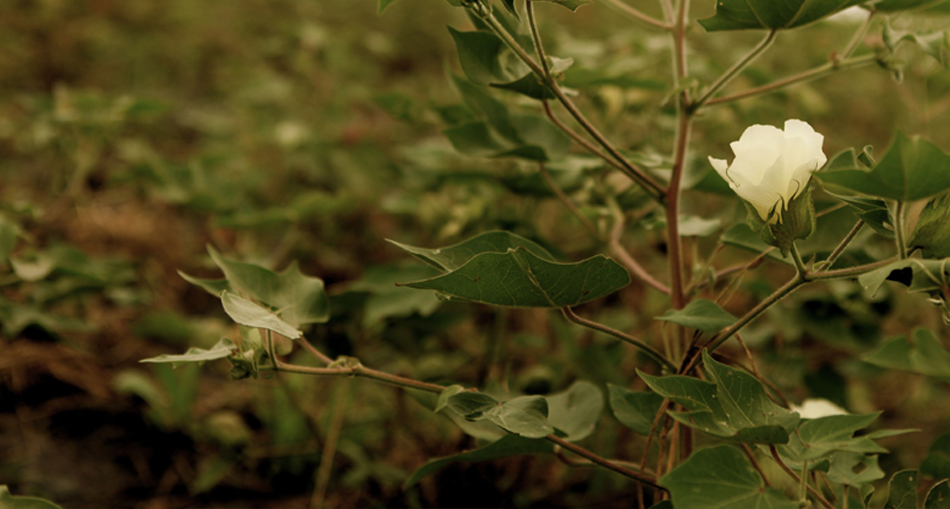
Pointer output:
706, 422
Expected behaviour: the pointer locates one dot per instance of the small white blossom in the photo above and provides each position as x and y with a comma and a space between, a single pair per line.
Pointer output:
817, 407
772, 166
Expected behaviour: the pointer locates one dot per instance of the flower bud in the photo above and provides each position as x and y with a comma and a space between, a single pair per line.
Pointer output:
932, 233
798, 222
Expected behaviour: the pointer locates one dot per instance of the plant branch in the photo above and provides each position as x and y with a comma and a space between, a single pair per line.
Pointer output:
899, 230
637, 15
635, 173
580, 139
604, 462
797, 258
536, 35
734, 71
624, 256
813, 74
754, 313
566, 200
833, 257
756, 464
848, 273
647, 349
572, 462
790, 472
858, 36
361, 371
313, 351
683, 130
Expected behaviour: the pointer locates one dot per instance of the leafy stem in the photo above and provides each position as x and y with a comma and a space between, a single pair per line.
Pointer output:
799, 263
566, 200
635, 173
604, 462
899, 230
812, 74
734, 71
647, 349
858, 36
683, 130
754, 313
637, 15
833, 257
848, 273
793, 475
357, 369
624, 256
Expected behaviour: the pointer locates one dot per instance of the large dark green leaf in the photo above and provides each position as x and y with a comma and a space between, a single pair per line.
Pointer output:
455, 256
817, 438
721, 478
853, 469
903, 490
575, 412
912, 169
733, 405
771, 14
520, 278
939, 496
505, 447
937, 462
701, 314
922, 354
636, 410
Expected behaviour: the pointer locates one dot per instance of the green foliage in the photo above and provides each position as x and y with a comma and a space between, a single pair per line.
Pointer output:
222, 349
753, 14
297, 299
920, 353
8, 501
574, 413
521, 276
249, 314
524, 415
912, 169
636, 410
734, 405
455, 256
939, 496
505, 447
819, 438
903, 490
721, 477
701, 314
937, 462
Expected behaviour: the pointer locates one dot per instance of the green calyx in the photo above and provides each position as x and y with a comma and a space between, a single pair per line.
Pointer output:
797, 221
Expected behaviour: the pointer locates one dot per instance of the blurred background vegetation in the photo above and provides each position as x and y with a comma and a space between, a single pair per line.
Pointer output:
135, 133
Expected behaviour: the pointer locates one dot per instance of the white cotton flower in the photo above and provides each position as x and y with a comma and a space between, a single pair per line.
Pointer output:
815, 408
772, 166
